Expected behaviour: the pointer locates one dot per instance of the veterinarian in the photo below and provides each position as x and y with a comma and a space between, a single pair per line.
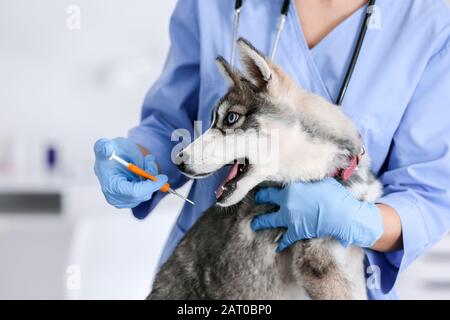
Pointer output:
398, 96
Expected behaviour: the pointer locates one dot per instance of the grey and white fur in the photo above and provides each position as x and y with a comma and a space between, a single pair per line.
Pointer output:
221, 257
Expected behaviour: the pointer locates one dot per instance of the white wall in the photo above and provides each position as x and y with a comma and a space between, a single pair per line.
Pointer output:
72, 87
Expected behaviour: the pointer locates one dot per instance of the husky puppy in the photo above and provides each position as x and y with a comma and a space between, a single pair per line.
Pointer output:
221, 257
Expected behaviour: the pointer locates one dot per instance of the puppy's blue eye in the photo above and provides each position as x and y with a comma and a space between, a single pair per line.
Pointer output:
232, 117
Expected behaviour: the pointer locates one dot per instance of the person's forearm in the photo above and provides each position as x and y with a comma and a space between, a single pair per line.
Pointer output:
391, 240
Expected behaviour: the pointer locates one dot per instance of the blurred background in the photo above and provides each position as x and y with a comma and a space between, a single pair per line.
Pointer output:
72, 72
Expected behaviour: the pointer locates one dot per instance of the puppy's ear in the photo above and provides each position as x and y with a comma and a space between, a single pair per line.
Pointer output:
232, 76
256, 67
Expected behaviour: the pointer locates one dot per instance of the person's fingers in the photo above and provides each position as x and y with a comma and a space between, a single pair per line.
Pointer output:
103, 148
141, 190
150, 164
121, 203
287, 240
270, 195
267, 221
144, 189
120, 186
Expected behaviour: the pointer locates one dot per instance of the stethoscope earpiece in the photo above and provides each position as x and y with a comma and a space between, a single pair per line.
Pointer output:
237, 12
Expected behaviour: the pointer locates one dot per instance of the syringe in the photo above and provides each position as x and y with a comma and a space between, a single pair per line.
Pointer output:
142, 173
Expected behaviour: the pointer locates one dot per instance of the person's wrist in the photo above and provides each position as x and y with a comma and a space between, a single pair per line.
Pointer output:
370, 225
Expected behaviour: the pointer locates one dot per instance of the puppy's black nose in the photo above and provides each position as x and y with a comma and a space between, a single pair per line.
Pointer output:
181, 166
181, 161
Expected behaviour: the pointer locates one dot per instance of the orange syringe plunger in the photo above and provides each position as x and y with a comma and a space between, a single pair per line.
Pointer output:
144, 174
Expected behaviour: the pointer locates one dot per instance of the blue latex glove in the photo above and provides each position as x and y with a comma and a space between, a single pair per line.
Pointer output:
122, 188
319, 210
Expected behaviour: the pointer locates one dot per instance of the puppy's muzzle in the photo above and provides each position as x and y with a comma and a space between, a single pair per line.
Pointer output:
180, 161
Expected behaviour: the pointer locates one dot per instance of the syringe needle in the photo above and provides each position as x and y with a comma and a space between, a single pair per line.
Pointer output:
179, 195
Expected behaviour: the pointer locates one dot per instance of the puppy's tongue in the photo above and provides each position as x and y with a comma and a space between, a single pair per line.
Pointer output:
231, 175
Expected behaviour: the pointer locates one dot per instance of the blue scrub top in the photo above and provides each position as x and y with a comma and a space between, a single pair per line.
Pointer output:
399, 97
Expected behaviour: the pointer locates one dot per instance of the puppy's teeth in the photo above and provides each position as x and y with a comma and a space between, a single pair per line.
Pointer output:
223, 188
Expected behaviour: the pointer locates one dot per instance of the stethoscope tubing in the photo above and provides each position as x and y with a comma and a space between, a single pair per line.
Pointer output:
237, 14
355, 55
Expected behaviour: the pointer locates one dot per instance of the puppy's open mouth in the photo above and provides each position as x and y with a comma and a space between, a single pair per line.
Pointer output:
238, 170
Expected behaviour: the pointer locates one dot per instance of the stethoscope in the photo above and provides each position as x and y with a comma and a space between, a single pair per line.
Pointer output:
284, 12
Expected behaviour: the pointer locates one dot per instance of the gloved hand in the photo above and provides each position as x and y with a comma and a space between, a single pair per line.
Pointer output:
122, 188
318, 210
